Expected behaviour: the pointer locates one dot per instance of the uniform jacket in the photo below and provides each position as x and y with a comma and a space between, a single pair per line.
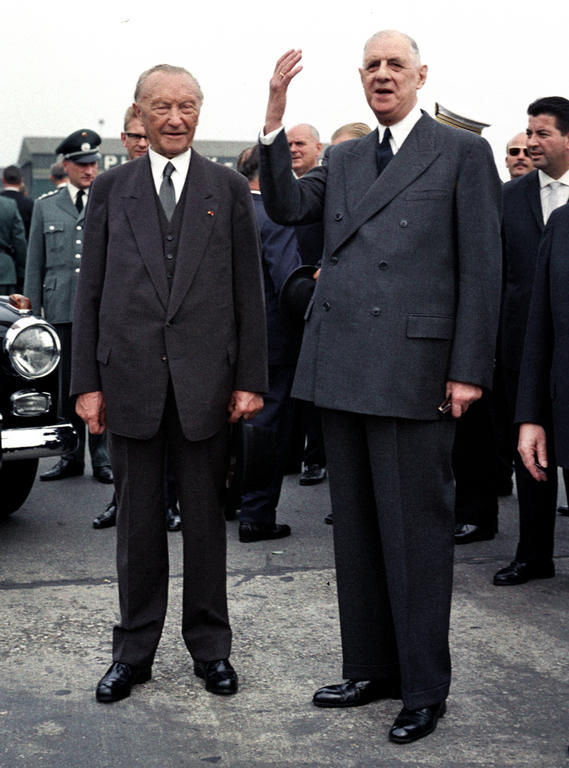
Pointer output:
55, 248
12, 243
409, 290
25, 206
522, 228
280, 257
206, 335
544, 383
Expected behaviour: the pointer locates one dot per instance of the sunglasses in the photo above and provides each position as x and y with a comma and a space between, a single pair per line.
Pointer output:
515, 151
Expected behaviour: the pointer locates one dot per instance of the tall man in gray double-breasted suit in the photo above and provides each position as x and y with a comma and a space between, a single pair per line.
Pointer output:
53, 266
403, 318
12, 246
169, 343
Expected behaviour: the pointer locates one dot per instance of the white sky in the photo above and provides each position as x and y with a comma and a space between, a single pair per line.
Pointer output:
68, 65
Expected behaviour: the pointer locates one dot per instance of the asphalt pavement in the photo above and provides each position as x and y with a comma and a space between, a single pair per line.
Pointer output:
58, 602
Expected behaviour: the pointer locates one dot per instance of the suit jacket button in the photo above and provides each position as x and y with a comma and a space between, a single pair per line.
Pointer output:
339, 216
77, 270
403, 223
327, 306
334, 259
164, 359
383, 265
376, 311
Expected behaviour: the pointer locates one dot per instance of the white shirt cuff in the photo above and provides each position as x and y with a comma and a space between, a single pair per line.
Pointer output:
270, 137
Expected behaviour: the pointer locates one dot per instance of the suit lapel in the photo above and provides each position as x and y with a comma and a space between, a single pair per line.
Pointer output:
140, 206
534, 198
65, 202
198, 220
412, 159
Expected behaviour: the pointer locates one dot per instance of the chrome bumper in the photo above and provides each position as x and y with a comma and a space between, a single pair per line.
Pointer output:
37, 442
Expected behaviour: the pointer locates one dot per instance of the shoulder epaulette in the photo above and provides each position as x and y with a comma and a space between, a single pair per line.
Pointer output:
50, 193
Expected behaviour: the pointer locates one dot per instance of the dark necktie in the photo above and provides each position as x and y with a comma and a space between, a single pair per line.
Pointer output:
167, 195
384, 151
79, 201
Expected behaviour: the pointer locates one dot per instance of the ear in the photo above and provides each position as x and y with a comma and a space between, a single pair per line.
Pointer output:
422, 76
361, 70
137, 111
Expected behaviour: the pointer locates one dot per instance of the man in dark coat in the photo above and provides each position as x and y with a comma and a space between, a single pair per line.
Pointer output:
402, 325
169, 342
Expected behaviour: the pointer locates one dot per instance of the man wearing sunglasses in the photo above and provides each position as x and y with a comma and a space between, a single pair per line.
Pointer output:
518, 160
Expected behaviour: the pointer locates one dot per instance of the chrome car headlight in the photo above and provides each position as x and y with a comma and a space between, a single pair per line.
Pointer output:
33, 347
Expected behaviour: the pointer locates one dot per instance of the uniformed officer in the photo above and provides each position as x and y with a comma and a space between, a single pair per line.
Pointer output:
52, 271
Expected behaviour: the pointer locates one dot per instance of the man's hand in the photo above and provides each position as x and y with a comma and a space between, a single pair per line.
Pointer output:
243, 405
461, 395
91, 407
285, 69
532, 447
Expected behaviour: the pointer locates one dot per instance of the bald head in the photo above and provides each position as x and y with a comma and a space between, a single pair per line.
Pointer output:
305, 147
518, 161
393, 35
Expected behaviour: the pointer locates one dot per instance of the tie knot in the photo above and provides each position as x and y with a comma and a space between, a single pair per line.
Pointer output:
168, 170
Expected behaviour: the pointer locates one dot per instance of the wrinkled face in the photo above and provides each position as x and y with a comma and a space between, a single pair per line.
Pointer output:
518, 162
81, 175
391, 77
169, 108
134, 139
304, 149
548, 148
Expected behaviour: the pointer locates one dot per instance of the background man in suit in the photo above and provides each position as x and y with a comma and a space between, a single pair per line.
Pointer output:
543, 394
403, 317
12, 247
257, 518
169, 337
518, 160
58, 175
305, 148
52, 272
528, 202
13, 183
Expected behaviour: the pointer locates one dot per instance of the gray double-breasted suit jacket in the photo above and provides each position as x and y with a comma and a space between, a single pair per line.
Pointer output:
12, 243
133, 334
55, 249
408, 295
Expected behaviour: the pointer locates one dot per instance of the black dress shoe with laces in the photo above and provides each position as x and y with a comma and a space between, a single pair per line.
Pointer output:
313, 475
467, 533
262, 532
64, 468
356, 693
520, 573
173, 519
413, 724
103, 474
118, 681
108, 517
219, 676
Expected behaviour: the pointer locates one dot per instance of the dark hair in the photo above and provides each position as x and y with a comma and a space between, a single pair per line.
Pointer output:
248, 162
12, 175
58, 172
557, 107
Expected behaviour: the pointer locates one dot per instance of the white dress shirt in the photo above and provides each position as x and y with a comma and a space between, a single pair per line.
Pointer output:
181, 165
552, 192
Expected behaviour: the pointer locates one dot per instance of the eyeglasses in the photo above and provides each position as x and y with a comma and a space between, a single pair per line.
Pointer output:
512, 151
136, 136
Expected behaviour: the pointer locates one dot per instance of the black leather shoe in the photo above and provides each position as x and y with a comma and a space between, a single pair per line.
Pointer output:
563, 511
219, 676
467, 533
119, 679
103, 474
520, 573
329, 519
108, 517
313, 475
413, 724
356, 693
64, 468
173, 519
260, 532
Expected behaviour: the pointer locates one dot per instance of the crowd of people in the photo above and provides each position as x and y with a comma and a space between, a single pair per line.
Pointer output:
377, 309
